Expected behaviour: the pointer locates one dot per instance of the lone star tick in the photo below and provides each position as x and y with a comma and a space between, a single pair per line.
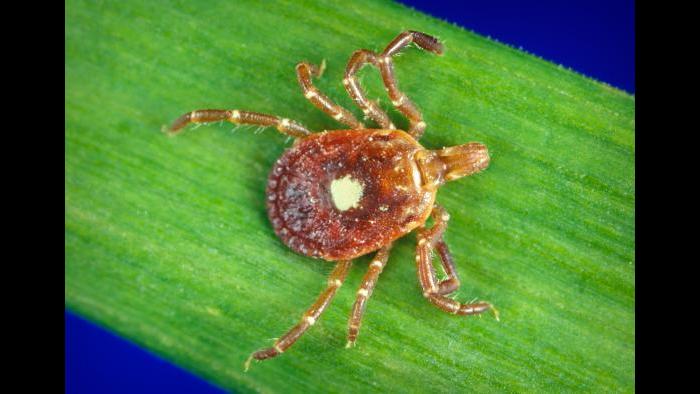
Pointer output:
337, 195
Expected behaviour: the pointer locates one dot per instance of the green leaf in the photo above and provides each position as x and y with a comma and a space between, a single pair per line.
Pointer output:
168, 243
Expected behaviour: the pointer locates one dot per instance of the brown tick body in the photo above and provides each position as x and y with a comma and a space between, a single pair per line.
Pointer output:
383, 198
338, 195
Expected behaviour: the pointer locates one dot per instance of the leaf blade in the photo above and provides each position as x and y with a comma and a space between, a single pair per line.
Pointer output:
168, 244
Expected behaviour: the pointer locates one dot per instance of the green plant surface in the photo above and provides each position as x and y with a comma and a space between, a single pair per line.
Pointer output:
167, 241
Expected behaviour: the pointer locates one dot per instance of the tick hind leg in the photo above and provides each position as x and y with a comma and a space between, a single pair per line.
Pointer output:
283, 125
451, 283
384, 63
305, 72
365, 291
335, 280
434, 291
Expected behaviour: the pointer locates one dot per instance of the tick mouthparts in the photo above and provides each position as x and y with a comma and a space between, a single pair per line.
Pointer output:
464, 160
439, 166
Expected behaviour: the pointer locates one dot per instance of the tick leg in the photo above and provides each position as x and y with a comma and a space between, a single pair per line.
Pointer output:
305, 72
358, 60
451, 284
386, 68
384, 63
365, 291
283, 125
429, 239
335, 280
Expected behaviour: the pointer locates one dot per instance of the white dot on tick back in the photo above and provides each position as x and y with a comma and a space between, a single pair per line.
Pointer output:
346, 192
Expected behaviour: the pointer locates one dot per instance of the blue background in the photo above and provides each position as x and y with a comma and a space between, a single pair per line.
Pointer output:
595, 38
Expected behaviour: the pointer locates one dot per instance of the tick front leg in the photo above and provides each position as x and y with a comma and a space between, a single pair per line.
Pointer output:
358, 60
384, 63
365, 291
335, 280
305, 72
283, 125
386, 68
434, 291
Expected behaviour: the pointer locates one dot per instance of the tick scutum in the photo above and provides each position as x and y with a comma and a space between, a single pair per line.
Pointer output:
341, 194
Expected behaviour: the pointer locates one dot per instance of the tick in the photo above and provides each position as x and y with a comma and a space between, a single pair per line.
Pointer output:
340, 194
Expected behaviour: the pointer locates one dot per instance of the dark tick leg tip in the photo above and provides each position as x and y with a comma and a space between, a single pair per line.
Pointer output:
170, 131
257, 356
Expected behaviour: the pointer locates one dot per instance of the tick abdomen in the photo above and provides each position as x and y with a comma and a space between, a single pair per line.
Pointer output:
341, 194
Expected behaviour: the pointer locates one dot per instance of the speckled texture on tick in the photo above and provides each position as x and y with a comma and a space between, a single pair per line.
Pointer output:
392, 199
